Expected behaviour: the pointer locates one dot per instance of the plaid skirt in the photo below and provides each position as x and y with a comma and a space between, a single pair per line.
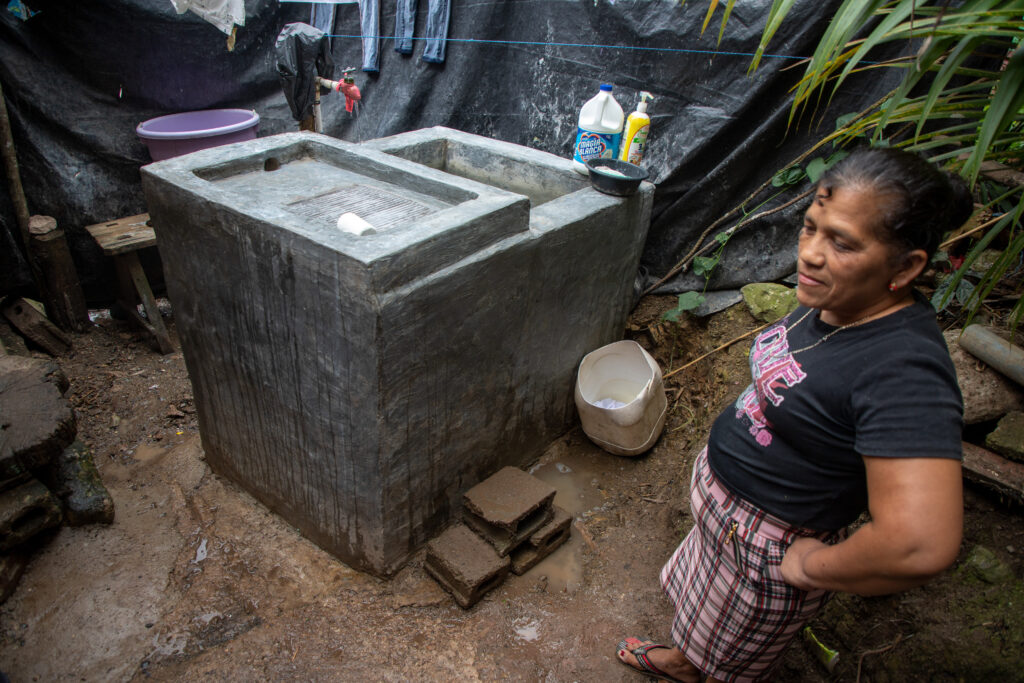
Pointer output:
734, 615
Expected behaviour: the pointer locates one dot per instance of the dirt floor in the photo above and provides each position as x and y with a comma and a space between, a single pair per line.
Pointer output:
195, 580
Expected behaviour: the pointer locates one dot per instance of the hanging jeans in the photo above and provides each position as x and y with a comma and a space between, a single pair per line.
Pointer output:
322, 17
369, 26
438, 13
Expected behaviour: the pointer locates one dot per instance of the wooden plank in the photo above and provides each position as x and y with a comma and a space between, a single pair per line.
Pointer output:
124, 234
154, 323
36, 327
993, 471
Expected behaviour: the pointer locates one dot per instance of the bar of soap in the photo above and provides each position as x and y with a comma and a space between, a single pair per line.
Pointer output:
353, 224
608, 170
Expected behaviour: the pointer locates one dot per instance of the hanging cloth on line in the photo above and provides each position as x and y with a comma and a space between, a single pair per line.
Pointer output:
436, 33
369, 27
321, 16
223, 14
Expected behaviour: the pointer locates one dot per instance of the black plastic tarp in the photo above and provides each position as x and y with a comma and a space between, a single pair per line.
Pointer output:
303, 54
79, 77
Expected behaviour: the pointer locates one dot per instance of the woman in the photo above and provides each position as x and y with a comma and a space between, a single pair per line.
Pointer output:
854, 406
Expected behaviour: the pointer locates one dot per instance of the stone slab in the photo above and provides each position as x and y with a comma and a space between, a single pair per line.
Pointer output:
544, 542
26, 511
465, 565
37, 419
508, 498
1008, 437
715, 302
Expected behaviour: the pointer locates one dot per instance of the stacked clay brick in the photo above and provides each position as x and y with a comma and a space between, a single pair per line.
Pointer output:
510, 524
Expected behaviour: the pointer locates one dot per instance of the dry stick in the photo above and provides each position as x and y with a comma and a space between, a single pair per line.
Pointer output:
694, 252
878, 651
697, 252
585, 534
21, 214
725, 345
973, 230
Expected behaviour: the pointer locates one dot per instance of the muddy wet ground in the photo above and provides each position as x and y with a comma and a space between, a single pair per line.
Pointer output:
196, 580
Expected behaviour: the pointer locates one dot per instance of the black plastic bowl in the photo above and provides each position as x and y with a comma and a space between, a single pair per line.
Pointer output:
611, 176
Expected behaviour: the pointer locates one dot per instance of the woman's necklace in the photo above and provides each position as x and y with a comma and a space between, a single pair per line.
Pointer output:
827, 334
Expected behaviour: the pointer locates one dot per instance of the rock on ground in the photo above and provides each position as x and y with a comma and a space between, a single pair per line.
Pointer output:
768, 301
1008, 438
36, 420
988, 395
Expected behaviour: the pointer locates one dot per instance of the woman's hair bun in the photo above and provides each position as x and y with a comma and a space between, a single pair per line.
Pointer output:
961, 203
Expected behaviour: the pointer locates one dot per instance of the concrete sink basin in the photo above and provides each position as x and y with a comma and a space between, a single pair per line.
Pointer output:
358, 385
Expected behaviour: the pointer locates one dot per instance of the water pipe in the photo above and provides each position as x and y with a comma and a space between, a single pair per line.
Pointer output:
345, 86
1002, 355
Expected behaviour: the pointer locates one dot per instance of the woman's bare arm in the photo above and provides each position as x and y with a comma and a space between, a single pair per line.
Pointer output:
916, 507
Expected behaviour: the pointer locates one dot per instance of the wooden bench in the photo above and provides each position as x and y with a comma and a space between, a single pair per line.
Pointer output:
121, 239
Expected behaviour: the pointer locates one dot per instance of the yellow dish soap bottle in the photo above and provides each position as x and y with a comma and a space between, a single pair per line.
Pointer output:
634, 138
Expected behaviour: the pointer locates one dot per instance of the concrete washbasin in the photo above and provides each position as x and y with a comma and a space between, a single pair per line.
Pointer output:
358, 385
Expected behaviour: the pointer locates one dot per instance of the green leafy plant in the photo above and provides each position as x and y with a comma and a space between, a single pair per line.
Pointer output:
959, 102
688, 301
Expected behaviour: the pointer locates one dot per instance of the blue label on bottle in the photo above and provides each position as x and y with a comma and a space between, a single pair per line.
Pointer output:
590, 145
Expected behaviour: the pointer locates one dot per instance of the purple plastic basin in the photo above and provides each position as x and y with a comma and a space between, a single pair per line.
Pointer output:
177, 134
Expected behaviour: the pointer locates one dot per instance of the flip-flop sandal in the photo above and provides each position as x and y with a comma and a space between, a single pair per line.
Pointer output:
640, 652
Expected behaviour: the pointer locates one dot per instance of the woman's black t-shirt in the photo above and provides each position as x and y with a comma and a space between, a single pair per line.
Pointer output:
793, 442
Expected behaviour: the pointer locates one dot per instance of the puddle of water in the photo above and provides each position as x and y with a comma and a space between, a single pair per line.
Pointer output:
200, 552
563, 568
527, 630
576, 482
576, 479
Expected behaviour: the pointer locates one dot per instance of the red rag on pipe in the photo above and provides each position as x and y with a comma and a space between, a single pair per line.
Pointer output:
351, 93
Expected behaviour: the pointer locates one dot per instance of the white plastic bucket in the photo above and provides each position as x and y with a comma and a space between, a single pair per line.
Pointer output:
621, 398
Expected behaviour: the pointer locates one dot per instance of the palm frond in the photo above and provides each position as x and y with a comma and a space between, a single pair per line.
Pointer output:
1006, 104
777, 13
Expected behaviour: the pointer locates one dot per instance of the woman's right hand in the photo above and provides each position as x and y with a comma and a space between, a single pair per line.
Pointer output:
792, 566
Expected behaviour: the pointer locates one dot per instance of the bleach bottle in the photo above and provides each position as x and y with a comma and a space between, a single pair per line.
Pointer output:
600, 129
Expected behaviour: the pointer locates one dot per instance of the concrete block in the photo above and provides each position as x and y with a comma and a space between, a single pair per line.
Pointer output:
465, 565
1008, 438
358, 385
543, 543
508, 507
26, 511
508, 498
503, 540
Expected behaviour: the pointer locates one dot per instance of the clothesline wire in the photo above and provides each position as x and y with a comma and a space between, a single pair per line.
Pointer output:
580, 45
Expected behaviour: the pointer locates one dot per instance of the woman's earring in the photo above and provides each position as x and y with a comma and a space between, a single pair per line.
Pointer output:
892, 286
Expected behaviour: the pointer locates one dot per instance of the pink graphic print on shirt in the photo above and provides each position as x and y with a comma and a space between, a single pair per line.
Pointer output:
772, 367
